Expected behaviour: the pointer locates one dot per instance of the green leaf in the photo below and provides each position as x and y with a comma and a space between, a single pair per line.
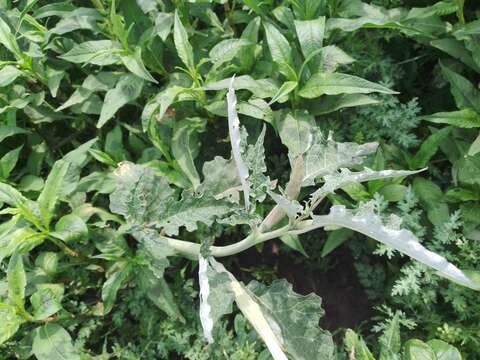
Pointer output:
6, 131
286, 88
475, 147
310, 34
390, 340
46, 301
17, 280
8, 162
456, 49
134, 63
10, 322
70, 228
8, 40
465, 94
466, 118
261, 88
226, 50
331, 57
338, 83
221, 179
53, 342
333, 103
184, 49
335, 239
432, 199
8, 74
48, 197
158, 106
356, 347
418, 350
185, 146
444, 351
393, 192
127, 89
280, 50
293, 242
116, 277
79, 19
428, 148
295, 129
96, 52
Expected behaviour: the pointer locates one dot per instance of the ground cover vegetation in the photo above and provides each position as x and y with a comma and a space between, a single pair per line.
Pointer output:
221, 179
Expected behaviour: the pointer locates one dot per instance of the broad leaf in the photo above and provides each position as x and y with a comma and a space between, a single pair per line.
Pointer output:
296, 131
8, 74
338, 83
46, 301
53, 342
466, 118
10, 322
310, 35
417, 349
280, 50
96, 52
465, 94
115, 279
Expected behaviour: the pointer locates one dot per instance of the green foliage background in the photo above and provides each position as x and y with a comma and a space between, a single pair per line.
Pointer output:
86, 86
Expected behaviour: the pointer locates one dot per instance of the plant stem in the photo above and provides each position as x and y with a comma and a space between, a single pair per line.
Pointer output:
191, 250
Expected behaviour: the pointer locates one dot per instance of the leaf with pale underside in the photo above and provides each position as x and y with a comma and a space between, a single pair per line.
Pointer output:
366, 221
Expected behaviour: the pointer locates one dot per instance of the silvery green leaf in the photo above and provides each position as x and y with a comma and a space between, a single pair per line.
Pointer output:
291, 207
221, 179
96, 52
17, 280
365, 221
163, 25
216, 298
326, 156
139, 195
254, 155
296, 131
156, 247
127, 89
235, 140
298, 330
261, 88
188, 211
345, 177
280, 50
134, 63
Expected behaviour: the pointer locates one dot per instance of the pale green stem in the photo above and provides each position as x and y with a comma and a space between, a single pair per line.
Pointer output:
192, 250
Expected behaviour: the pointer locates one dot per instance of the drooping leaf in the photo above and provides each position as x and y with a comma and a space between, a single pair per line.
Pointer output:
335, 239
8, 74
333, 103
53, 342
158, 106
367, 222
261, 88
